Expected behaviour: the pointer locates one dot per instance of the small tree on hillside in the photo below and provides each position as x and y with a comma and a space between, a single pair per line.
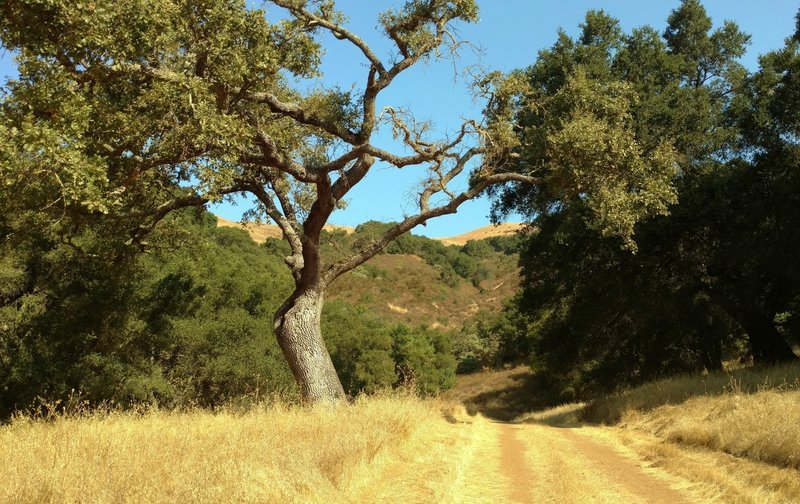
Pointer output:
135, 109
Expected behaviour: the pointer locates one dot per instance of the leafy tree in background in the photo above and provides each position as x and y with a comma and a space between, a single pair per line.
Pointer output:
125, 112
180, 325
720, 264
371, 354
208, 301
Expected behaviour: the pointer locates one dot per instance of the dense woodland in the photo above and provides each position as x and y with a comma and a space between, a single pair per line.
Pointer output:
716, 278
664, 232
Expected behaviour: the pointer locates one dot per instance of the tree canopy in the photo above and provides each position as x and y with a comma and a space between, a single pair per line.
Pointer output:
710, 277
125, 112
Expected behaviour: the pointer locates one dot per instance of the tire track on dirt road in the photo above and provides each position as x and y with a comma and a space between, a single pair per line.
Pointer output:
513, 464
545, 464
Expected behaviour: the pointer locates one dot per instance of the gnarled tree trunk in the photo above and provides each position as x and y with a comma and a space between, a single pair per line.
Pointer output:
297, 327
766, 343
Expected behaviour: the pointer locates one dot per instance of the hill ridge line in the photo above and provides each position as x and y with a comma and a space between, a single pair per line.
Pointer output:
260, 232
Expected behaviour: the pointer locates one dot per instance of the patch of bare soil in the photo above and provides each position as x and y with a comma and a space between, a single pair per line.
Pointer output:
513, 465
624, 472
545, 464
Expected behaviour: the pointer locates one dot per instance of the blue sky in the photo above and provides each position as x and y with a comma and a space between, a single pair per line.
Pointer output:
509, 34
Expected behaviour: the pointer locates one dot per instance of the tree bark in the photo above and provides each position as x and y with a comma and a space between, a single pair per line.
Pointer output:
711, 343
766, 343
297, 327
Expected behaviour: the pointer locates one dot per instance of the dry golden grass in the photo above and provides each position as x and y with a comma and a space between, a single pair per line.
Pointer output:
397, 448
733, 434
502, 229
676, 390
716, 476
760, 426
566, 415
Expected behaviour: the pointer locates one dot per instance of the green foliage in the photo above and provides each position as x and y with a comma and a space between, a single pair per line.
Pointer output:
87, 126
714, 274
371, 354
491, 339
178, 326
508, 245
212, 301
575, 130
424, 359
360, 346
453, 263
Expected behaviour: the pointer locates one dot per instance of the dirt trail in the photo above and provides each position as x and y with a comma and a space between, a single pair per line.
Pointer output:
546, 464
513, 465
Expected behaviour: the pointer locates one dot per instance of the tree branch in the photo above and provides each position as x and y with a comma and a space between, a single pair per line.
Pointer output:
352, 176
275, 104
312, 20
288, 227
165, 208
302, 116
372, 248
273, 158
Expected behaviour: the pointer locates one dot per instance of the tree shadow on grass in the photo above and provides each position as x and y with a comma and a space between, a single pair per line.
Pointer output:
517, 393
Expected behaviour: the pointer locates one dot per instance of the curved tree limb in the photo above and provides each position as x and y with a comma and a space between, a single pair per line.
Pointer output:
372, 248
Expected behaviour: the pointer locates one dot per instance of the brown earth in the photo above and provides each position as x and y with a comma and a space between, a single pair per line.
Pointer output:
545, 464
550, 457
513, 465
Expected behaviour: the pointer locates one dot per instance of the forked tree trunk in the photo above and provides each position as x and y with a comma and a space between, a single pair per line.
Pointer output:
297, 327
766, 343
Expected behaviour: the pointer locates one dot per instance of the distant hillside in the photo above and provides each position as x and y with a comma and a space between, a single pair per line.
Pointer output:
481, 233
405, 288
260, 232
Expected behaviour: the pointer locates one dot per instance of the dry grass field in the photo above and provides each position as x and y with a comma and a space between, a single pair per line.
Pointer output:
378, 450
718, 438
733, 434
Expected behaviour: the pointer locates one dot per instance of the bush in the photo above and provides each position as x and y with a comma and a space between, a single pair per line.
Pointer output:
468, 364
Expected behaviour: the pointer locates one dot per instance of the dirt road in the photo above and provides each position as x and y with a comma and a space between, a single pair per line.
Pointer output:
545, 464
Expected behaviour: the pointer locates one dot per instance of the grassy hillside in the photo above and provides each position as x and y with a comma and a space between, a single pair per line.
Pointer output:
260, 232
503, 229
405, 288
402, 287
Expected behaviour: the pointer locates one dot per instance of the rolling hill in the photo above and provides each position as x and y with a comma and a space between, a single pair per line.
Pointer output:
404, 288
260, 232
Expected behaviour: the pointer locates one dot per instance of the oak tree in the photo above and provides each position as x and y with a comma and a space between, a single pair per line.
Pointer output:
127, 111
